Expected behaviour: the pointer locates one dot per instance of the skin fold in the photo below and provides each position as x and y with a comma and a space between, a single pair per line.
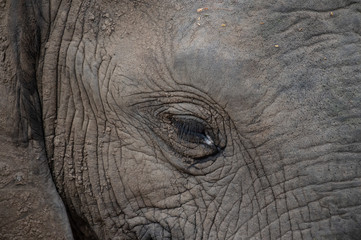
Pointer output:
202, 119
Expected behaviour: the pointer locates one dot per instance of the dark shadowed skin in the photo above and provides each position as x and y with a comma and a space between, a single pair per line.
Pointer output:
240, 120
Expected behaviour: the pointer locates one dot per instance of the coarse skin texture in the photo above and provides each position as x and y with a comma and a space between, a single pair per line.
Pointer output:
30, 207
241, 120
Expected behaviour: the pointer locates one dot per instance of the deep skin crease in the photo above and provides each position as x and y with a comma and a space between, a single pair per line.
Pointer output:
273, 86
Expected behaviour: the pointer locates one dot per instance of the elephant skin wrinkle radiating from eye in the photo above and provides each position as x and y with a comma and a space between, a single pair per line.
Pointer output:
181, 119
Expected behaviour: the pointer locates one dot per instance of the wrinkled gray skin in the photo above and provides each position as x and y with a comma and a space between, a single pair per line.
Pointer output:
241, 121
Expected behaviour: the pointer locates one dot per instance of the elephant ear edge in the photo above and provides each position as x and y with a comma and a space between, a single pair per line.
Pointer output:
31, 206
25, 38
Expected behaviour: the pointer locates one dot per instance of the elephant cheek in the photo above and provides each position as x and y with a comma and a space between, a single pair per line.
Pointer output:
148, 182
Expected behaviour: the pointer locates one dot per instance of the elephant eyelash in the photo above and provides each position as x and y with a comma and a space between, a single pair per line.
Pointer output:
187, 130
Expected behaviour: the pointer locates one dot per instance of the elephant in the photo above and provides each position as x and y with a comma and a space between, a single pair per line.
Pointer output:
231, 119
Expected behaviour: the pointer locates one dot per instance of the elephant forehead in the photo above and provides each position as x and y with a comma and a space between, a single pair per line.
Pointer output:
234, 53
211, 50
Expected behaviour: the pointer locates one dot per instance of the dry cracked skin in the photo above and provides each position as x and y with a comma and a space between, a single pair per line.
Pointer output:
183, 119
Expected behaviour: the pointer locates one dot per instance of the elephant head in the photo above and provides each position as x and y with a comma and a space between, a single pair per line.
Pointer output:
195, 119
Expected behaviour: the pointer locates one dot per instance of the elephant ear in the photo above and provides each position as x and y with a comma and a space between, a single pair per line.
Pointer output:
30, 205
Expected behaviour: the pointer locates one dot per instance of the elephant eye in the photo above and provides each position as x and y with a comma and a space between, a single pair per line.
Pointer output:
190, 131
193, 138
194, 131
